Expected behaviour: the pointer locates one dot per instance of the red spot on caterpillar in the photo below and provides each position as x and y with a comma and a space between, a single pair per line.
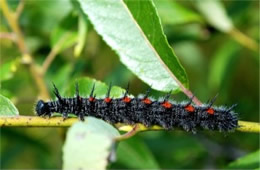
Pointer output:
126, 99
167, 105
107, 100
189, 108
210, 111
91, 99
147, 101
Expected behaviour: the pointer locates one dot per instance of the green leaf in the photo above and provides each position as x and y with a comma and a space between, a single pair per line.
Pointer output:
88, 144
65, 33
133, 30
214, 12
133, 153
250, 161
8, 69
86, 84
7, 108
171, 12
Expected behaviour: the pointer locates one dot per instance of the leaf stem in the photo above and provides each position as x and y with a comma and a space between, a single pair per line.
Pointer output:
35, 121
129, 134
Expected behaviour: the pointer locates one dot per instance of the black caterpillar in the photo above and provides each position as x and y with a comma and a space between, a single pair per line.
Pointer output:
143, 110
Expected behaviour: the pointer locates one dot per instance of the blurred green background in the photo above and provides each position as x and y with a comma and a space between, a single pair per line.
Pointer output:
214, 60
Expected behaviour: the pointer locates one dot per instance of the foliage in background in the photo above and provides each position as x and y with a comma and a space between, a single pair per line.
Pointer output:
210, 39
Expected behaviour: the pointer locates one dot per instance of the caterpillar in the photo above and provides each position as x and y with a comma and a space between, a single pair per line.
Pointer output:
131, 110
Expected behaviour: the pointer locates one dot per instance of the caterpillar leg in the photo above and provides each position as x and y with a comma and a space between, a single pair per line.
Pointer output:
65, 116
81, 116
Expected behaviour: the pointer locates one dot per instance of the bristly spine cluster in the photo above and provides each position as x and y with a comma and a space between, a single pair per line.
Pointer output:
145, 110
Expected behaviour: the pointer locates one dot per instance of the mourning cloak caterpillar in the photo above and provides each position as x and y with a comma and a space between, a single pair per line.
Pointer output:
143, 109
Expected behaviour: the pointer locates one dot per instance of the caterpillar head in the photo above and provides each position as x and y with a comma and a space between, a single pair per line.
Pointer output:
41, 108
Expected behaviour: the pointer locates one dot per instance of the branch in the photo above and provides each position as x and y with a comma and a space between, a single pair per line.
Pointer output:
35, 121
12, 20
248, 126
19, 9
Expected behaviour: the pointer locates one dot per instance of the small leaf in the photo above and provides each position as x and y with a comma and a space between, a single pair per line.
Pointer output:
250, 161
88, 144
7, 108
171, 12
214, 12
138, 39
